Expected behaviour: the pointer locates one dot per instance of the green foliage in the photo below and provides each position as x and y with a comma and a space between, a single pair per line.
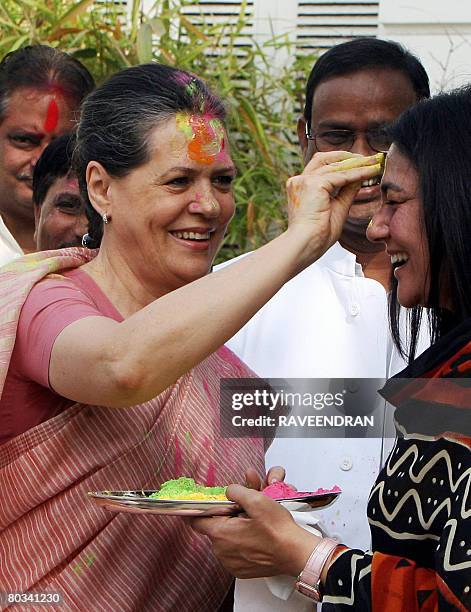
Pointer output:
263, 84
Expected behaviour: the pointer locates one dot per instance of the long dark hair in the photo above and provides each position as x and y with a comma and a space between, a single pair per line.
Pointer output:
436, 136
118, 117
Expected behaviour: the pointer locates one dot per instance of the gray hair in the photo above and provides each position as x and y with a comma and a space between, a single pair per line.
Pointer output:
118, 118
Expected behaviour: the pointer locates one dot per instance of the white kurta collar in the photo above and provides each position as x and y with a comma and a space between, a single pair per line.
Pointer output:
8, 238
338, 259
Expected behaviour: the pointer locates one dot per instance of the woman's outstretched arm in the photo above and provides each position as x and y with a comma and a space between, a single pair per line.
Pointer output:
99, 361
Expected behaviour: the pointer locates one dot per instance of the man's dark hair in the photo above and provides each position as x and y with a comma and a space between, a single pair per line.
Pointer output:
43, 67
55, 162
118, 118
435, 135
364, 53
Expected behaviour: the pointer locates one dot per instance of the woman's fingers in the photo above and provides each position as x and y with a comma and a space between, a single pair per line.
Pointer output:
320, 198
252, 479
275, 474
318, 160
264, 542
312, 192
256, 505
209, 526
357, 162
343, 160
313, 196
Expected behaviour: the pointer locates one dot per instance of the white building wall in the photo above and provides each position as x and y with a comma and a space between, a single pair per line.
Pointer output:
316, 25
313, 25
437, 31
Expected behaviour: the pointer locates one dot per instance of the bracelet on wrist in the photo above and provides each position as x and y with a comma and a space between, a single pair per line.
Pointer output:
309, 580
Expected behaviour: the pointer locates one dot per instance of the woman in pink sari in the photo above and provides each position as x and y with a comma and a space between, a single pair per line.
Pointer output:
110, 360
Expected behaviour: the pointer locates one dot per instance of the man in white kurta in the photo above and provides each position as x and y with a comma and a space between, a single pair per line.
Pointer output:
9, 248
339, 331
331, 320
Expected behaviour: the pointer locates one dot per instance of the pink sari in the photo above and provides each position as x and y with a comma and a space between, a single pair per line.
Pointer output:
53, 538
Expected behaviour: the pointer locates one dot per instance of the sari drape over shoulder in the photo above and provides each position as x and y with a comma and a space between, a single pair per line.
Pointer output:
52, 538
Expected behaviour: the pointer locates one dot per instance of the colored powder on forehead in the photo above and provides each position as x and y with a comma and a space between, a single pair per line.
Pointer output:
56, 89
183, 124
205, 135
72, 183
52, 116
207, 141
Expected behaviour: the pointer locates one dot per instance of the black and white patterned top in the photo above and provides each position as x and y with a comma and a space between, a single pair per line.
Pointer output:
420, 506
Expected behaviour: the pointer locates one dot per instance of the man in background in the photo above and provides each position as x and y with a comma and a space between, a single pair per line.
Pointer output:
331, 320
41, 90
59, 209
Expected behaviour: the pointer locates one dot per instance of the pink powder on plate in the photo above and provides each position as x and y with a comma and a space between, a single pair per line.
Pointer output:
280, 490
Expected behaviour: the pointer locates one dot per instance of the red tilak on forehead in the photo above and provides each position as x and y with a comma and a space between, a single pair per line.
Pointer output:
52, 116
56, 89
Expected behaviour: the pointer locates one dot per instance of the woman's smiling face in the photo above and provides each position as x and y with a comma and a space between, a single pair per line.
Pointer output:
170, 214
399, 224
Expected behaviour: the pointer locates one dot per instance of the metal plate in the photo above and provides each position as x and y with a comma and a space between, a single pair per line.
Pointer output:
139, 502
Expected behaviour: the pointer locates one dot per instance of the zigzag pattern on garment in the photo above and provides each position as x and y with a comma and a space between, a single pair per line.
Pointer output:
415, 472
349, 600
